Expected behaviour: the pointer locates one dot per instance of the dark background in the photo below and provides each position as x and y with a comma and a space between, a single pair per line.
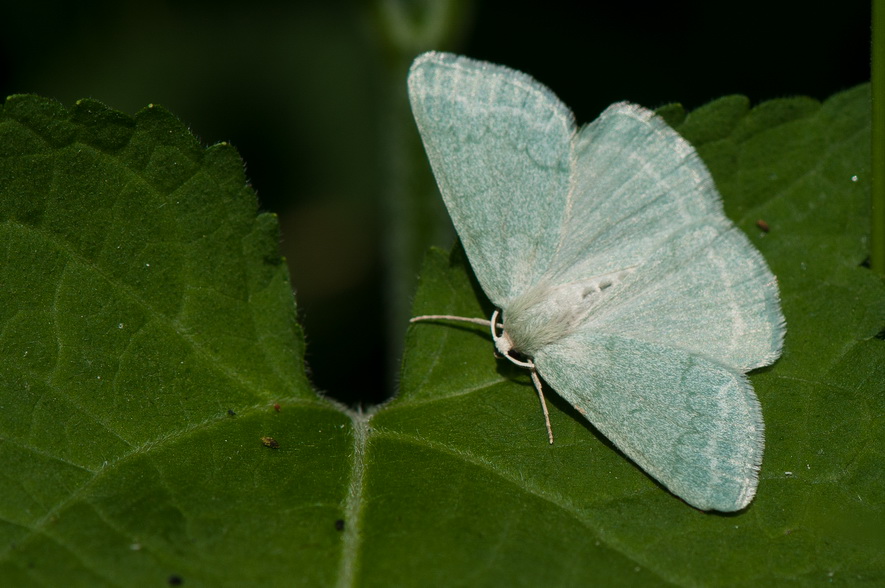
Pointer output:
309, 93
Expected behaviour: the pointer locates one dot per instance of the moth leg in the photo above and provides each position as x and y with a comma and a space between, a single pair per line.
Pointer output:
537, 381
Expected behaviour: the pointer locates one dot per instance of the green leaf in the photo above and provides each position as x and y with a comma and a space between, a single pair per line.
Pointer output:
142, 297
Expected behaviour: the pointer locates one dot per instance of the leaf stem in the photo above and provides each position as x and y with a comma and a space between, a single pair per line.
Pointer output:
412, 208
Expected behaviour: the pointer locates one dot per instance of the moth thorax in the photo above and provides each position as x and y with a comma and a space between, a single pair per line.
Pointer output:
528, 332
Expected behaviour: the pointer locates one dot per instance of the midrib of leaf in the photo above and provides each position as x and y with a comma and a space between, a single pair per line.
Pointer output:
353, 507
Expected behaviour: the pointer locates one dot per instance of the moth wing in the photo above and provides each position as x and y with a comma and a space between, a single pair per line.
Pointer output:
635, 183
707, 291
647, 252
499, 144
692, 424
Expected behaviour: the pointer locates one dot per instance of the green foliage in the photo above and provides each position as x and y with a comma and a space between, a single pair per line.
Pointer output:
142, 298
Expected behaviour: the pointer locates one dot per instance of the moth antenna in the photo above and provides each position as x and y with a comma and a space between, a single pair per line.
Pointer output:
537, 381
448, 317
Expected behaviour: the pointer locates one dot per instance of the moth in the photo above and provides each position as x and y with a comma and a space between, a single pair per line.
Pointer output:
616, 276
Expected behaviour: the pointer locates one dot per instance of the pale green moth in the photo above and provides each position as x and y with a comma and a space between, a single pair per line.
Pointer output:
619, 279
